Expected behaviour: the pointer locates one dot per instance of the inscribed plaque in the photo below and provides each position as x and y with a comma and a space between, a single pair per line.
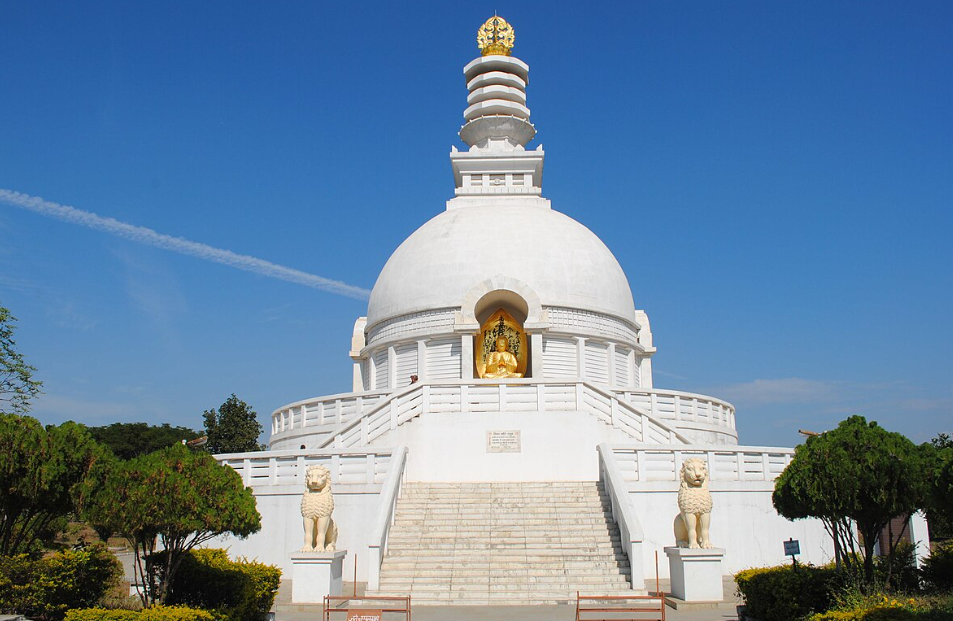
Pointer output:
503, 442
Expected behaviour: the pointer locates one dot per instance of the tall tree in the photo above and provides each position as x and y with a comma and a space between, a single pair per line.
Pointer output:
41, 476
128, 440
17, 386
855, 475
234, 428
940, 507
175, 496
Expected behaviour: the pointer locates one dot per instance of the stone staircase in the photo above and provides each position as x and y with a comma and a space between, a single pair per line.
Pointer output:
503, 543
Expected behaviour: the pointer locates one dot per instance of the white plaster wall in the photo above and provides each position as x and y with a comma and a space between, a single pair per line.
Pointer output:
743, 522
451, 446
355, 511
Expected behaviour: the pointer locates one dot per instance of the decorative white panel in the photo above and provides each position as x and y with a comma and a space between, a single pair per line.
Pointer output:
406, 362
597, 362
637, 372
382, 369
425, 322
443, 358
622, 366
589, 322
560, 357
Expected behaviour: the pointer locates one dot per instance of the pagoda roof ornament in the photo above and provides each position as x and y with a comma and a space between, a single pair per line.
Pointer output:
495, 37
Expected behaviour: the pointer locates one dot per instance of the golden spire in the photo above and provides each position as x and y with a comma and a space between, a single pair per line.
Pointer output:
496, 37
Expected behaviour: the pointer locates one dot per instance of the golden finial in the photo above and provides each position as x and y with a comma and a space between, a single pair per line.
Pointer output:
496, 37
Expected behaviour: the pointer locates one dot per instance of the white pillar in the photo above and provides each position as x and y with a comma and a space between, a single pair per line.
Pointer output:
422, 360
536, 347
466, 355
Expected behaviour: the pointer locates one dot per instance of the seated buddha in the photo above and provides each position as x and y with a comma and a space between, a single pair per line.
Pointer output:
501, 363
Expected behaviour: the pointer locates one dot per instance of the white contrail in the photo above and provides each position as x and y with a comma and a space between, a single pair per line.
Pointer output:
177, 244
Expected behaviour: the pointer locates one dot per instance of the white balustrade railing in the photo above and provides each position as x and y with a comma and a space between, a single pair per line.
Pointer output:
644, 464
326, 413
363, 467
630, 529
335, 409
682, 406
411, 401
390, 492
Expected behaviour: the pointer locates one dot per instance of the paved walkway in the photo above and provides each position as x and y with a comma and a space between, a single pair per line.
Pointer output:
724, 612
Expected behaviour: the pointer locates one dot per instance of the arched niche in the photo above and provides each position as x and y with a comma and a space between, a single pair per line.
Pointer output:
509, 301
517, 298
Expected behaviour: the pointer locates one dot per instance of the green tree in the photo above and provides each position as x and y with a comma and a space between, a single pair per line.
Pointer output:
857, 475
41, 476
940, 507
175, 496
128, 440
234, 428
17, 386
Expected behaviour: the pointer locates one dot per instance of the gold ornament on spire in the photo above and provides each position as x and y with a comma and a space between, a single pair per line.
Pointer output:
496, 37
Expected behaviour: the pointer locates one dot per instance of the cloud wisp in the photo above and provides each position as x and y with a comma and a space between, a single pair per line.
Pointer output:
198, 250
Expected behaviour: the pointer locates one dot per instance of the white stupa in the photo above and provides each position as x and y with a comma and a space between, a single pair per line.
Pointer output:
571, 409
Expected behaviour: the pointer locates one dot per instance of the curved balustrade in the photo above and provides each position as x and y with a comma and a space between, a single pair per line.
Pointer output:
698, 417
409, 402
334, 409
682, 406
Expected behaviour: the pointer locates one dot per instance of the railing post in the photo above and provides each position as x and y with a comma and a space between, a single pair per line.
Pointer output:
541, 397
272, 471
425, 398
677, 404
371, 461
393, 413
764, 467
363, 431
740, 461
580, 400
246, 472
464, 397
614, 411
502, 398
320, 412
335, 469
653, 404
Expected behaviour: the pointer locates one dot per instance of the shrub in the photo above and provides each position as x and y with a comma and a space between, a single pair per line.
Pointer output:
48, 587
938, 567
156, 613
239, 590
783, 594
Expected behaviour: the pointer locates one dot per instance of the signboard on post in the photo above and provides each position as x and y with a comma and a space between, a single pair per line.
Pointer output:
792, 547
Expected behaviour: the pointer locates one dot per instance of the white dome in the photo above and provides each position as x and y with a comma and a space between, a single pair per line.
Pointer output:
562, 261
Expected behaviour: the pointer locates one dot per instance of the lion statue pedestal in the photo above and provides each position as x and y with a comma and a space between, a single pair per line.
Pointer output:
318, 568
694, 563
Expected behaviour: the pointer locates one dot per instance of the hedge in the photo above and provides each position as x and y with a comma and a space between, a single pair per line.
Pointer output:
783, 594
238, 590
156, 613
46, 588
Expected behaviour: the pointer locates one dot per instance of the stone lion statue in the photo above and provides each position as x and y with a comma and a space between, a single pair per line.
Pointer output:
320, 531
694, 506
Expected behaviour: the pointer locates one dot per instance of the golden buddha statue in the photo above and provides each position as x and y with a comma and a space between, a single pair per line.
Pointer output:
501, 363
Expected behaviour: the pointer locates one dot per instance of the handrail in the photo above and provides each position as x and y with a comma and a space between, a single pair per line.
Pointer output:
630, 529
385, 517
336, 436
659, 463
684, 410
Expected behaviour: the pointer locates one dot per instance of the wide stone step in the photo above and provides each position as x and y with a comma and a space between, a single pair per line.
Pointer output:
509, 543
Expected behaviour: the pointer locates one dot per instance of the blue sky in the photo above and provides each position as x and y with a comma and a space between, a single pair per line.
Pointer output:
776, 179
